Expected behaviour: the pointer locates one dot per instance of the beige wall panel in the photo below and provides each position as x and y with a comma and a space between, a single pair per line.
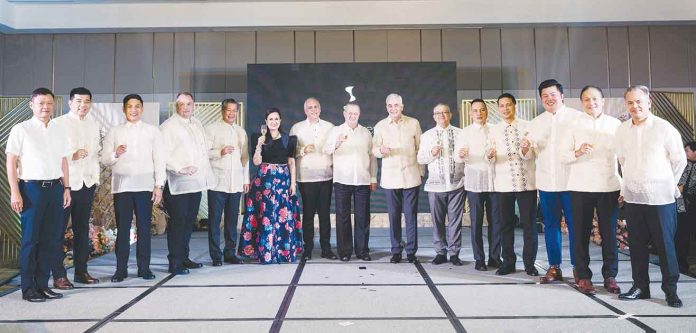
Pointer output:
431, 45
669, 56
462, 46
240, 51
275, 47
403, 45
184, 53
617, 40
210, 62
334, 46
371, 46
304, 47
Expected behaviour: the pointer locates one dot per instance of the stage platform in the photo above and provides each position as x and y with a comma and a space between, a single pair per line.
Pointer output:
333, 296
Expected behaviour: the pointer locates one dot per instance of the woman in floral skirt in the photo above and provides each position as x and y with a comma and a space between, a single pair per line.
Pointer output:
272, 230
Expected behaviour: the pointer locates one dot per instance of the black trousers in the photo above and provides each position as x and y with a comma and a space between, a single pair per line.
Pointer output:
478, 204
656, 224
183, 210
80, 209
686, 227
125, 204
584, 205
316, 199
527, 201
345, 242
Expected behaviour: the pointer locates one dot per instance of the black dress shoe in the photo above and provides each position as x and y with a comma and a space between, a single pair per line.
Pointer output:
480, 265
456, 261
366, 257
328, 254
117, 278
674, 301
531, 271
188, 263
33, 296
495, 263
180, 271
439, 259
49, 294
411, 258
146, 275
217, 263
345, 258
395, 258
85, 278
505, 270
233, 260
635, 293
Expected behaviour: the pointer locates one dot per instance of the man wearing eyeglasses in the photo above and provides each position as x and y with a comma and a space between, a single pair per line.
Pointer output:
445, 185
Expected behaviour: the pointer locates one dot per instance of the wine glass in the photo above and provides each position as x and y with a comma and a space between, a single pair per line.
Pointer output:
264, 130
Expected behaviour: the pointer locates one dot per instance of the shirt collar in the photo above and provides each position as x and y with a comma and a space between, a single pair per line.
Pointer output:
648, 122
400, 121
309, 123
182, 119
37, 122
136, 124
477, 126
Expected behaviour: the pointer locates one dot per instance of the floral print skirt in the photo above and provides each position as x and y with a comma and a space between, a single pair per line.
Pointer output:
272, 230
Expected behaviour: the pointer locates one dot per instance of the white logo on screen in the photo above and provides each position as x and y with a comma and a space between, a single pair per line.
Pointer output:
349, 90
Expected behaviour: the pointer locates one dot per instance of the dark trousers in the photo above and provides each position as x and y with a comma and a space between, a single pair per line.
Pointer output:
219, 202
478, 204
345, 242
316, 199
125, 204
80, 209
656, 224
41, 220
447, 207
183, 210
686, 224
403, 201
584, 205
553, 206
527, 201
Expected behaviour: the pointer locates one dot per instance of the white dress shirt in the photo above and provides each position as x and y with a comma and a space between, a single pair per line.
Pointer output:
314, 166
40, 149
142, 166
478, 173
444, 172
546, 134
514, 172
597, 171
400, 169
186, 145
353, 162
82, 134
652, 160
231, 170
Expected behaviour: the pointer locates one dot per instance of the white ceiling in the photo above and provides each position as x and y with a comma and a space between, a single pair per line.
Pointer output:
18, 16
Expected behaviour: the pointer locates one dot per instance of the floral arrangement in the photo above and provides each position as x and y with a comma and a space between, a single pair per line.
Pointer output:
101, 241
621, 234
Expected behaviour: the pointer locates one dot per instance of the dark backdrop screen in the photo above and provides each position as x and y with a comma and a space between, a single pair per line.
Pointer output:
286, 86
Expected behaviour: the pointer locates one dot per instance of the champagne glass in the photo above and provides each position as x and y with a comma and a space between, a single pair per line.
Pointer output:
264, 130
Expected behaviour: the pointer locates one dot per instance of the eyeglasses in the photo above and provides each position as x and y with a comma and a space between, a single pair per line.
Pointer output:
441, 113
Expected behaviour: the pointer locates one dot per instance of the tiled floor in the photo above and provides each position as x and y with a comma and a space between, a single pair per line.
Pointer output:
332, 296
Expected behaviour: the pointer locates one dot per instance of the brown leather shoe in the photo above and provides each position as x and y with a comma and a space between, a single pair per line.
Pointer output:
553, 274
85, 278
611, 286
585, 286
62, 284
